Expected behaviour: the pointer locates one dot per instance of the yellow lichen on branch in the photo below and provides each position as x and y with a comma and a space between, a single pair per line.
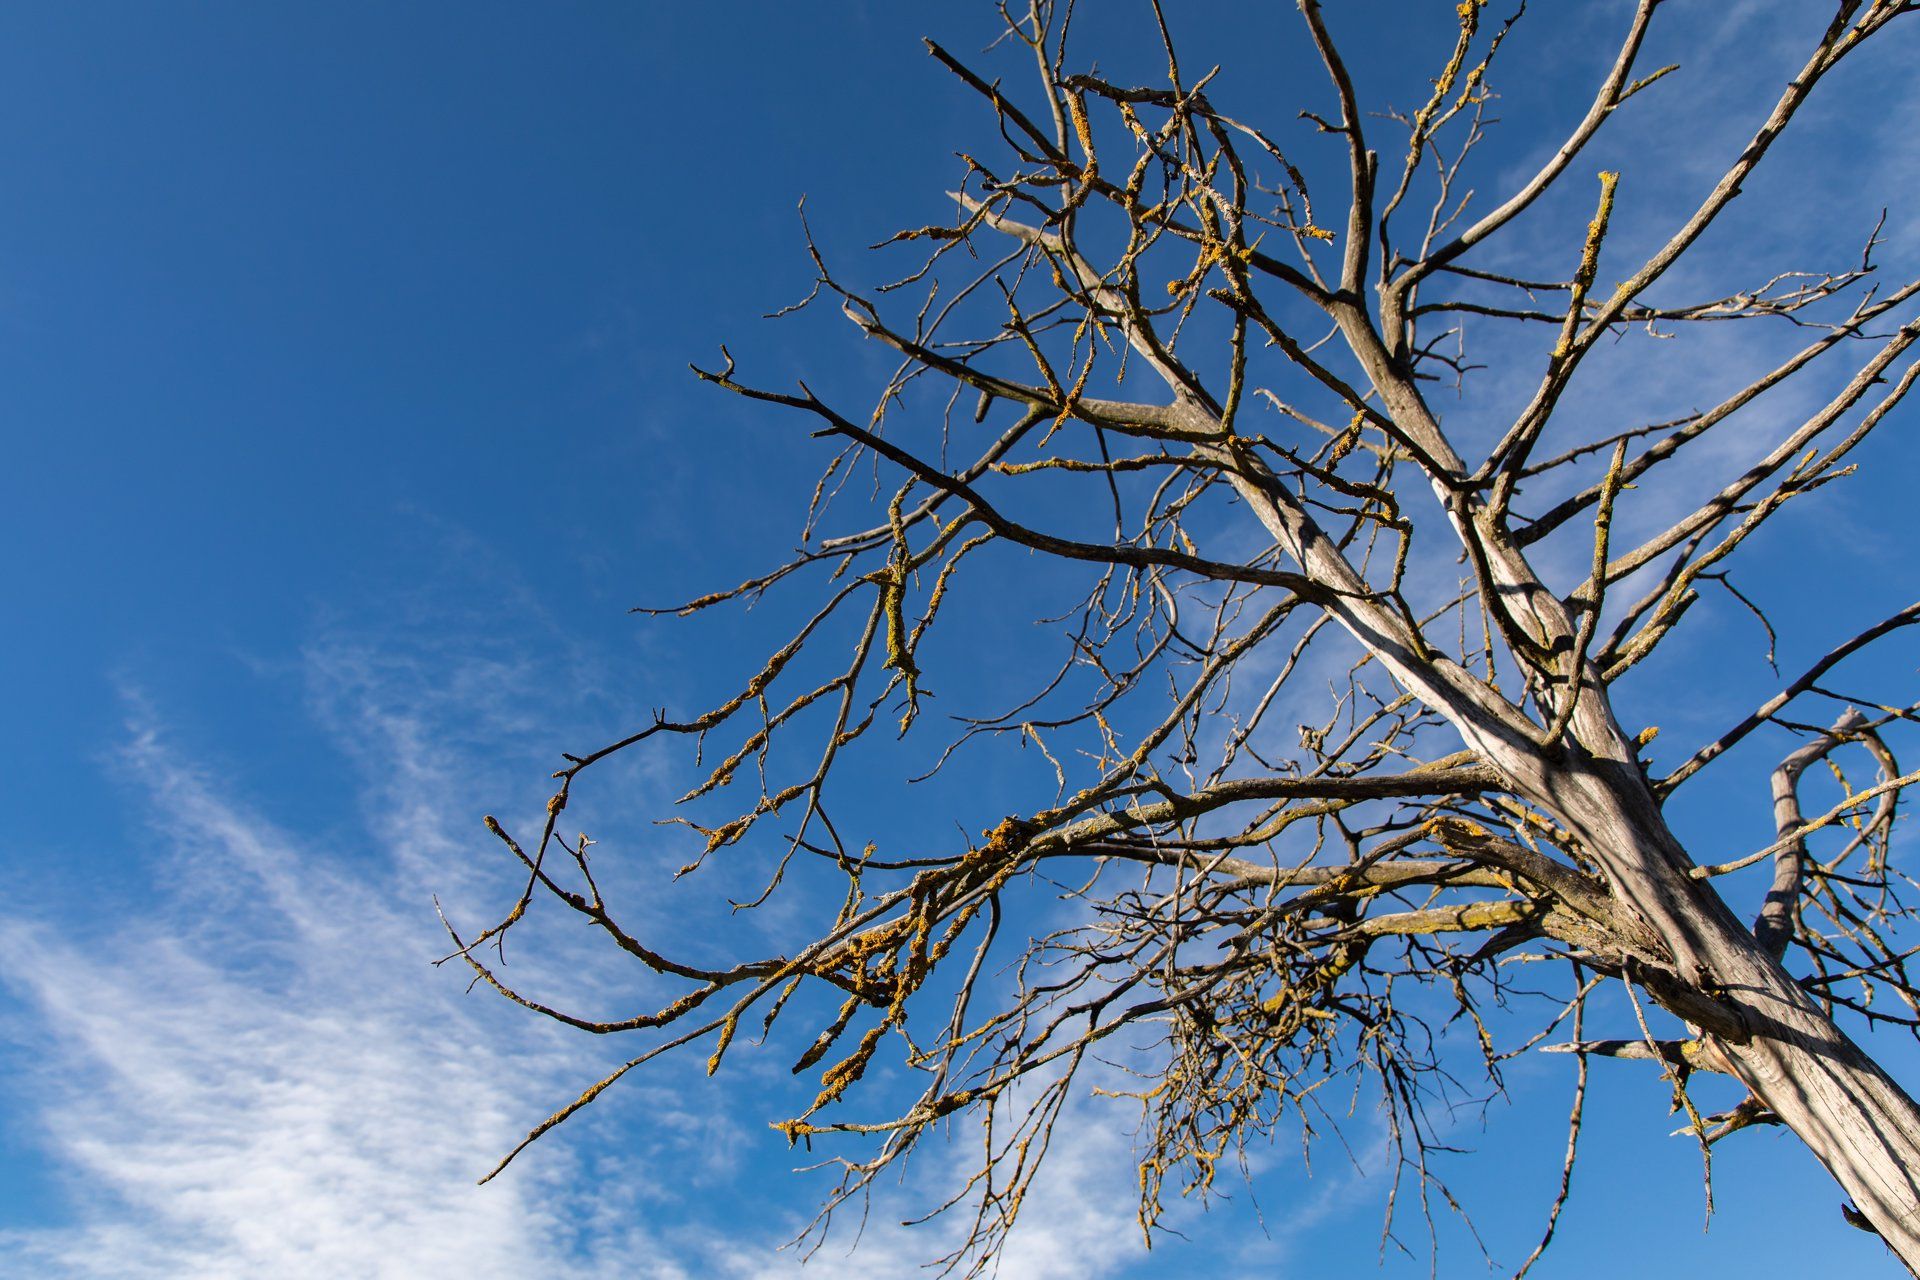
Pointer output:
795, 1129
835, 1080
1589, 261
727, 1029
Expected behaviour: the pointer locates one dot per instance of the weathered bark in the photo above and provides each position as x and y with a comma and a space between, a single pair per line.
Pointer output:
1854, 1118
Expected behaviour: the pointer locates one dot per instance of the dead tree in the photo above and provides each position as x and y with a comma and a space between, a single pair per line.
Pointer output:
1145, 316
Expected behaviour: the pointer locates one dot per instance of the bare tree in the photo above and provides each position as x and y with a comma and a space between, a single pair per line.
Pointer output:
1213, 405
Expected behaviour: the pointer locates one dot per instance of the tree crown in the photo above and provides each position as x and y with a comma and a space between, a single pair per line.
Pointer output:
1333, 763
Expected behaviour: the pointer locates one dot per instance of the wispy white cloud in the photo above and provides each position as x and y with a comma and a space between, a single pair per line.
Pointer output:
262, 1074
264, 1078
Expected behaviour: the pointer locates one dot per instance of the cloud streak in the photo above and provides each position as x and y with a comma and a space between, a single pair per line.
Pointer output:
258, 1076
262, 1075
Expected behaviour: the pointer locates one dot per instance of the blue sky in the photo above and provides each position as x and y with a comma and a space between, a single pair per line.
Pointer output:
343, 374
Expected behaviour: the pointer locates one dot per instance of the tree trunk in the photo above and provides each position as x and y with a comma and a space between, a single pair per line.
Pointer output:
1853, 1117
1860, 1124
